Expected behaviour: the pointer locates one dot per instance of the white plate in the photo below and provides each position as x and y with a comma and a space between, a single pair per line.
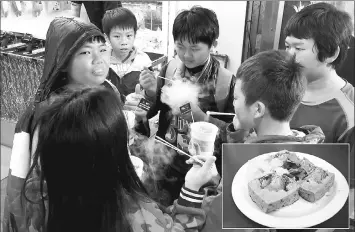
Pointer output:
301, 214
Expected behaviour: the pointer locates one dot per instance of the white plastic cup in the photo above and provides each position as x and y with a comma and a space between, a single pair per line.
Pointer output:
203, 136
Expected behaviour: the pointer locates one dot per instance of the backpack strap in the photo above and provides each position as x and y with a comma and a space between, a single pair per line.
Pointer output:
223, 84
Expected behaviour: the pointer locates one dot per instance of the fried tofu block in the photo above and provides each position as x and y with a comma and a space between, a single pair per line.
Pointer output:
273, 192
316, 185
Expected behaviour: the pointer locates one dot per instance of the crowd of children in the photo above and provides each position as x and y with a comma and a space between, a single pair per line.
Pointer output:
70, 164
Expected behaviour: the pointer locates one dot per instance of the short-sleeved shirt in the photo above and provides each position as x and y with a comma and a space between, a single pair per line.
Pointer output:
333, 113
97, 9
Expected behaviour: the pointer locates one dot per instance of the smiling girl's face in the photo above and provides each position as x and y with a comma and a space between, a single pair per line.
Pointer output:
90, 64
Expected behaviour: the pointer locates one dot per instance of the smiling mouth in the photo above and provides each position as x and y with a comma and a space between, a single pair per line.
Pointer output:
98, 72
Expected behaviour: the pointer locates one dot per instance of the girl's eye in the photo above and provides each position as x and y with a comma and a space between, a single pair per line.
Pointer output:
287, 47
84, 53
103, 50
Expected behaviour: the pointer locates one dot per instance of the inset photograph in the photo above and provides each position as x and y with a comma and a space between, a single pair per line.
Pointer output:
285, 186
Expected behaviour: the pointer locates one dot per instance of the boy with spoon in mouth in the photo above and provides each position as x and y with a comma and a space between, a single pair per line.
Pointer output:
193, 63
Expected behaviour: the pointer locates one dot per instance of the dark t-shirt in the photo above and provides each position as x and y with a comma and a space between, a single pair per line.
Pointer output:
97, 9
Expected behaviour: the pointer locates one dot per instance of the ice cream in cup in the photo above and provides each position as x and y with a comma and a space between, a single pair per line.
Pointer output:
203, 136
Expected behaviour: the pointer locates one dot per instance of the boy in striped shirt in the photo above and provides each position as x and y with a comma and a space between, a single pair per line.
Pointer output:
319, 36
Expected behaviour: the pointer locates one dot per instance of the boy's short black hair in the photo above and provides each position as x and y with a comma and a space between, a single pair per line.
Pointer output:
275, 78
196, 25
120, 17
327, 26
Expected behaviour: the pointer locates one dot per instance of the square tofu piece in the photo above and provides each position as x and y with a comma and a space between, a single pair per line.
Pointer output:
273, 192
316, 184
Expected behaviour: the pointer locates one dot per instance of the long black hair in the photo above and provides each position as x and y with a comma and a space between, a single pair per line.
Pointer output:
85, 166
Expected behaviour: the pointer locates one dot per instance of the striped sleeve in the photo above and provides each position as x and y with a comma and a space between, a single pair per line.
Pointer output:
190, 198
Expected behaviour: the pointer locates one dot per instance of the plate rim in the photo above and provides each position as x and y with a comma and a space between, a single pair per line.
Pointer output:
299, 222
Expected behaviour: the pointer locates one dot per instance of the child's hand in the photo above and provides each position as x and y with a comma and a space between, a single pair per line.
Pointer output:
132, 101
139, 113
199, 175
148, 81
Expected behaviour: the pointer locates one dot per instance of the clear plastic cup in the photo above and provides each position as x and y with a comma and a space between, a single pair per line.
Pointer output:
203, 136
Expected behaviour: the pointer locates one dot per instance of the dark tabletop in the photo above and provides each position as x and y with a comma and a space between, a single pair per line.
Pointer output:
236, 155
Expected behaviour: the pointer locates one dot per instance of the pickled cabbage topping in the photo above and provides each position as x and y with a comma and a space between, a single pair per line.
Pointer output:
275, 182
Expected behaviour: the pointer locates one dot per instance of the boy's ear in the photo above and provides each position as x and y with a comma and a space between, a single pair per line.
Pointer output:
215, 43
259, 109
333, 57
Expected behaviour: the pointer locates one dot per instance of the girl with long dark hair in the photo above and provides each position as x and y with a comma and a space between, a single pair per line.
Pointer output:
83, 174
